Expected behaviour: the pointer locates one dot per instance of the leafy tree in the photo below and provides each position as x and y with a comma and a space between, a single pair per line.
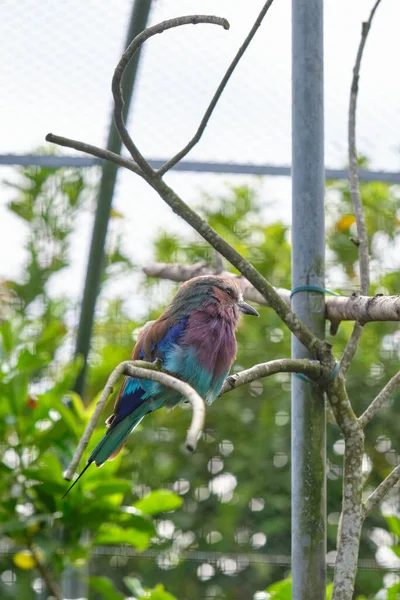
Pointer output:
41, 420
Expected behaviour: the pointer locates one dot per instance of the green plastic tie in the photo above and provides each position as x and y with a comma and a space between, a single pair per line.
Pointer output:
312, 288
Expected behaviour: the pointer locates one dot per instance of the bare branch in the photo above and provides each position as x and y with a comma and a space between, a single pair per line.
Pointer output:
341, 407
219, 264
51, 585
151, 372
318, 348
351, 518
310, 368
362, 241
119, 71
95, 151
363, 309
175, 159
351, 347
380, 400
382, 490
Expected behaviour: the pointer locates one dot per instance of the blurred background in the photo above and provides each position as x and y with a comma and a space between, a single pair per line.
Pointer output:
159, 523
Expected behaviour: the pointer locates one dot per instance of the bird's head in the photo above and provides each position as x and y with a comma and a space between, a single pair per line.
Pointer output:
213, 293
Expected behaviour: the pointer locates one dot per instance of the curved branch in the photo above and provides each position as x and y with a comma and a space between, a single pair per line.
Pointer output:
380, 400
383, 488
310, 368
363, 249
318, 348
150, 372
119, 71
95, 151
175, 159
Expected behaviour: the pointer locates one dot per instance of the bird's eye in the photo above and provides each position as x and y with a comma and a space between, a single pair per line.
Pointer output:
229, 292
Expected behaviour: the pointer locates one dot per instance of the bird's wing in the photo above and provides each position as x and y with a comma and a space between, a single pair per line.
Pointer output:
135, 400
153, 342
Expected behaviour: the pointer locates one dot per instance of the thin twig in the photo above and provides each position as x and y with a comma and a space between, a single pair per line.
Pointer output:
382, 490
151, 372
175, 159
310, 368
123, 63
380, 400
363, 248
351, 347
219, 264
51, 585
95, 151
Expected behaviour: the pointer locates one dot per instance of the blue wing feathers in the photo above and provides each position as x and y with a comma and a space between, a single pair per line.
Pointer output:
136, 391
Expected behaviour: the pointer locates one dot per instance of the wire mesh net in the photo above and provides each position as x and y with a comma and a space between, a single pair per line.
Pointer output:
59, 60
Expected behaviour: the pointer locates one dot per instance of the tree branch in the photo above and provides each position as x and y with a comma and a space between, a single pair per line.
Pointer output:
175, 159
150, 372
351, 347
309, 368
363, 248
51, 585
123, 63
383, 488
380, 400
364, 309
95, 151
317, 348
351, 518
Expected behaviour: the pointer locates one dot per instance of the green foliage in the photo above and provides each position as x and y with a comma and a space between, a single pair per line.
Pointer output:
140, 593
381, 204
158, 501
41, 420
48, 202
106, 588
231, 499
281, 590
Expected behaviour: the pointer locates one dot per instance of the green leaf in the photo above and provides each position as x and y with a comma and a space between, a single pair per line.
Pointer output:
393, 593
394, 525
113, 534
281, 590
106, 588
6, 332
106, 488
157, 593
134, 585
159, 501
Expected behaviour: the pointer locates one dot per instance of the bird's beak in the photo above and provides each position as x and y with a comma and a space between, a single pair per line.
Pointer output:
247, 309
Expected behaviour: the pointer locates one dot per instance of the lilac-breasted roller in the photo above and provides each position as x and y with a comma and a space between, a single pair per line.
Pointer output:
195, 340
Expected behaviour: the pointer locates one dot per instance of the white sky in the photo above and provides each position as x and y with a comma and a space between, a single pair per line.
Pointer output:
58, 60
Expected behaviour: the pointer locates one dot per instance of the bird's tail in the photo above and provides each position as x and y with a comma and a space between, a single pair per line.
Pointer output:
112, 442
114, 439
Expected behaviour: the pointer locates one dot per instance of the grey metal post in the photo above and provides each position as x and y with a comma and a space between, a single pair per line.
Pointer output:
138, 22
308, 242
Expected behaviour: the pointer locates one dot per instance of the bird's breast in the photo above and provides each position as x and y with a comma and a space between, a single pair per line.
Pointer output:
213, 340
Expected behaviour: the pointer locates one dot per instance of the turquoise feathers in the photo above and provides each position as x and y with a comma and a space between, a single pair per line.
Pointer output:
195, 340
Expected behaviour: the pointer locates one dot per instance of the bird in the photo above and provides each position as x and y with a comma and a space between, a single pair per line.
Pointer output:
194, 338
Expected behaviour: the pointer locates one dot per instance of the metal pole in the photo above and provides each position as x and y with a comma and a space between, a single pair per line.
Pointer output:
308, 262
138, 22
